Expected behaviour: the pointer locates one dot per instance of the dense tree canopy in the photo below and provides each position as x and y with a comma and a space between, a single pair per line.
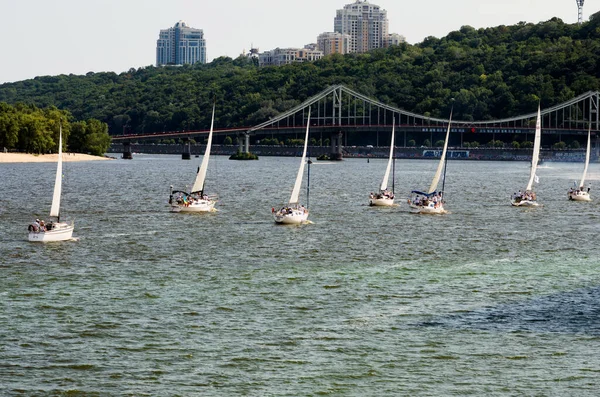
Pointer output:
26, 128
492, 73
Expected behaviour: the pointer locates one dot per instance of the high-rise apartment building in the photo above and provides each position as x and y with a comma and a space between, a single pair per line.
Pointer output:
366, 23
180, 45
333, 43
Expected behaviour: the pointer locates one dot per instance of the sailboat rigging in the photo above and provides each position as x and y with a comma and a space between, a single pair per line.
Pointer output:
528, 198
385, 197
197, 200
55, 230
295, 213
579, 193
432, 201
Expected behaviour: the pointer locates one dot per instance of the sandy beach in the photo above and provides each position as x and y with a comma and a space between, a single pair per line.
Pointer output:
46, 158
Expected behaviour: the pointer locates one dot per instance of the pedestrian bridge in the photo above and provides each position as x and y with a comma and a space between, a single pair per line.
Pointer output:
340, 111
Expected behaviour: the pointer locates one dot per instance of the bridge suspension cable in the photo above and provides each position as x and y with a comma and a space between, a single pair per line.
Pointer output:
585, 107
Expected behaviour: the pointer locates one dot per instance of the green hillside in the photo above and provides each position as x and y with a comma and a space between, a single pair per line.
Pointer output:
492, 73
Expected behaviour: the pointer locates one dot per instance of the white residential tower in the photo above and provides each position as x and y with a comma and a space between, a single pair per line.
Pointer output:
180, 45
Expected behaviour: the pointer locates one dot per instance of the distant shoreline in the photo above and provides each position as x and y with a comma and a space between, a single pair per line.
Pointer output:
455, 153
47, 158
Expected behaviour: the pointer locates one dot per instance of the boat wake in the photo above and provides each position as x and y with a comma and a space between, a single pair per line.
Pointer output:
117, 235
382, 207
444, 212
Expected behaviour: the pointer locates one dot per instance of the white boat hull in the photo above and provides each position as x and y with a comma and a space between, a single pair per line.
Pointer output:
524, 203
198, 206
381, 202
59, 232
296, 217
580, 196
430, 209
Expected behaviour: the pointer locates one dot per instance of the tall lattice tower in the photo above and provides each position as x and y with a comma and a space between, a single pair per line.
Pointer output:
580, 11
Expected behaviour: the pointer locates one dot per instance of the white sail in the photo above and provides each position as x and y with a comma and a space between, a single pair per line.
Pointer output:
438, 173
201, 176
295, 198
587, 158
55, 209
384, 183
536, 149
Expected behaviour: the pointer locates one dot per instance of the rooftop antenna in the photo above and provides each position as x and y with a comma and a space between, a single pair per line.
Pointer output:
580, 11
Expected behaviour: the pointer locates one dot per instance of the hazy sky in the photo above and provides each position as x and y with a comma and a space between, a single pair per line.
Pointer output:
51, 37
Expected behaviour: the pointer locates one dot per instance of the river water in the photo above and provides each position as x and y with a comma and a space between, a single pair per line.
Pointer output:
487, 300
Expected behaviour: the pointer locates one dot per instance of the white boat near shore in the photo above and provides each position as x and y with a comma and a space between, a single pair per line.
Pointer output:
54, 230
385, 197
295, 213
196, 200
432, 202
579, 192
528, 198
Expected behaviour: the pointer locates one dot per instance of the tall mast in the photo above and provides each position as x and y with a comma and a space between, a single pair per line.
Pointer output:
579, 11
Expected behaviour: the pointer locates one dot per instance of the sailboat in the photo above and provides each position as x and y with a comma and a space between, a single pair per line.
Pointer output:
55, 230
384, 197
431, 202
528, 198
196, 200
579, 194
295, 213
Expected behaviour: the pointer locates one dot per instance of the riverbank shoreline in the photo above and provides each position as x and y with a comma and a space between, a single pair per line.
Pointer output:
47, 158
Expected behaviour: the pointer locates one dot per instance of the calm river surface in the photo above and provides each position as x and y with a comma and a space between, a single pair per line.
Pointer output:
489, 300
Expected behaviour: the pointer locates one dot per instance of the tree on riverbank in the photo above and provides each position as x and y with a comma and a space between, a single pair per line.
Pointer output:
491, 73
28, 129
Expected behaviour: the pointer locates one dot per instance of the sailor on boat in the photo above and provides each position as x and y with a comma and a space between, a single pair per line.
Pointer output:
424, 200
289, 210
574, 194
382, 194
525, 196
35, 226
39, 226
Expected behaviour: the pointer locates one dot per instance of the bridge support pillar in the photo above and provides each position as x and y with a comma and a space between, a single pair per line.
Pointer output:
243, 143
240, 140
336, 146
598, 147
187, 154
127, 151
247, 143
